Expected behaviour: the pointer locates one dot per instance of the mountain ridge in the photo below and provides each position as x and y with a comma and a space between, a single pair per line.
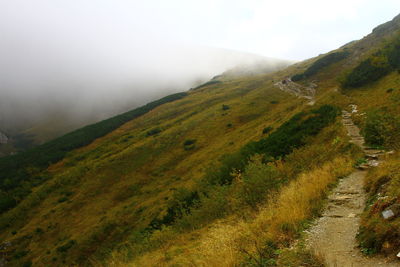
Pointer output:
228, 175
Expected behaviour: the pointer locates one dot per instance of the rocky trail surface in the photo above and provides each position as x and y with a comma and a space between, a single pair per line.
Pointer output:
333, 236
287, 85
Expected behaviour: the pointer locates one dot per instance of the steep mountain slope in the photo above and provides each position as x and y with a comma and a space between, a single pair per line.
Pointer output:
229, 174
31, 116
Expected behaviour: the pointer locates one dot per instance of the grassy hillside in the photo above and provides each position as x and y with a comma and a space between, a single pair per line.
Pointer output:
24, 170
228, 175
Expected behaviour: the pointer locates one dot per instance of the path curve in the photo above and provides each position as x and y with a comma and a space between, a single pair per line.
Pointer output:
287, 85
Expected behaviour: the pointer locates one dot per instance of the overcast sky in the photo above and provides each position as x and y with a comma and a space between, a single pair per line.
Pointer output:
78, 51
289, 29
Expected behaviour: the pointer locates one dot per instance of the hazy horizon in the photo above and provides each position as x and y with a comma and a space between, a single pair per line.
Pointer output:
101, 57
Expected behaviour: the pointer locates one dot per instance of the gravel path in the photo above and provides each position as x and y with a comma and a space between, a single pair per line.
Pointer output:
334, 234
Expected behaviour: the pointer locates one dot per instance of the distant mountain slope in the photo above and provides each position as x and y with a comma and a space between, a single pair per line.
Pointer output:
32, 120
228, 175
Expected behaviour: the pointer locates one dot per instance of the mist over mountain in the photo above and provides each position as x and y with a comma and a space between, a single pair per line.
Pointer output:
135, 133
64, 64
68, 88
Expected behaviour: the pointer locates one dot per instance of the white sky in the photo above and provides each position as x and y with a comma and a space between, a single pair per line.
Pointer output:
288, 29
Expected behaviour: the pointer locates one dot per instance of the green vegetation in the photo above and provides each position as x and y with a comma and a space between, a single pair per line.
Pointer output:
382, 129
180, 204
189, 144
231, 198
153, 131
377, 235
225, 107
66, 246
267, 130
375, 67
320, 64
278, 181
258, 178
212, 82
281, 142
20, 172
369, 70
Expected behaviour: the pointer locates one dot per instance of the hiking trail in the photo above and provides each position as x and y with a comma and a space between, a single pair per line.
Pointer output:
333, 236
287, 85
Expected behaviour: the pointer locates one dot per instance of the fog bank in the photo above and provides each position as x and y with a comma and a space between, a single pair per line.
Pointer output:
76, 62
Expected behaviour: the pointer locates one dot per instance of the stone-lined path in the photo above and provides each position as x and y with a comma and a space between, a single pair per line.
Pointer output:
334, 234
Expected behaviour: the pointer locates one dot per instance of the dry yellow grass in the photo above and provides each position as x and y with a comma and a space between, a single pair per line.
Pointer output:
227, 242
110, 166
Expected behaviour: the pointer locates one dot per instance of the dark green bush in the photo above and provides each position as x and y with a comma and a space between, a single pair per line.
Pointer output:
189, 144
278, 144
320, 64
267, 130
212, 82
293, 133
66, 246
366, 72
382, 129
181, 203
6, 201
298, 77
225, 107
377, 66
325, 61
20, 254
62, 199
153, 131
393, 54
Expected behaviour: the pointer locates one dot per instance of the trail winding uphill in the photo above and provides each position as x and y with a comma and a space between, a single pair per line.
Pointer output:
287, 85
334, 234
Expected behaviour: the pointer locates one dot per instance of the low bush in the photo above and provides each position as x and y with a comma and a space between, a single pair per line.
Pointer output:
319, 64
375, 67
367, 71
212, 82
153, 131
181, 203
64, 248
281, 142
256, 181
225, 107
189, 144
382, 129
298, 77
267, 130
